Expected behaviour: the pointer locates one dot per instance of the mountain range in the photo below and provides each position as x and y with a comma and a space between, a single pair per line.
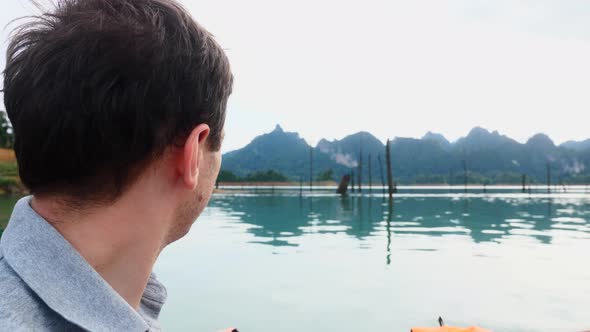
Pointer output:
486, 157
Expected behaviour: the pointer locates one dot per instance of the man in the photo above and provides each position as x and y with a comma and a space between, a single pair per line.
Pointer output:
118, 109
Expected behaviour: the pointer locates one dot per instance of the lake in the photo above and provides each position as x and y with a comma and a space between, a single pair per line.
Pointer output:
281, 260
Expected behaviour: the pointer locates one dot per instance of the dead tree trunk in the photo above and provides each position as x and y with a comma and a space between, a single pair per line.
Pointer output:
370, 175
381, 171
360, 186
465, 175
301, 185
548, 178
343, 187
310, 168
389, 175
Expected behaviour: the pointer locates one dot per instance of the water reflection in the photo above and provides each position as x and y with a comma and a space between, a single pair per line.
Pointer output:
279, 220
389, 218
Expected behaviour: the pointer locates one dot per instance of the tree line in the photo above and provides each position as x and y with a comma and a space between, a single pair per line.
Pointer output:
268, 176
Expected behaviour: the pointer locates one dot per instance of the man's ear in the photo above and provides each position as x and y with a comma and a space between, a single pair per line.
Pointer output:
190, 156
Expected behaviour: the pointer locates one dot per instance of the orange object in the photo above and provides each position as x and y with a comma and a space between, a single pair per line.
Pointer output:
449, 329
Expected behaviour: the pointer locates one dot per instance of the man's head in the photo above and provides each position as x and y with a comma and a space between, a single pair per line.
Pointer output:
99, 92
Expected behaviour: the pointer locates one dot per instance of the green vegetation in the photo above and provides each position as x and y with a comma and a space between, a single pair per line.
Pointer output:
488, 157
6, 206
268, 176
8, 169
9, 185
472, 178
9, 180
326, 176
262, 176
227, 176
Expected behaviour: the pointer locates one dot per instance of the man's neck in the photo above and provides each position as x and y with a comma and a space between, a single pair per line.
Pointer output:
121, 241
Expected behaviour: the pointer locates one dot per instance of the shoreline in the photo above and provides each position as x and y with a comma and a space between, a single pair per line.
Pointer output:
426, 185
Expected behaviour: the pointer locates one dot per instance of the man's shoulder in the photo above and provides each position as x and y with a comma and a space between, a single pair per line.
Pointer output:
21, 309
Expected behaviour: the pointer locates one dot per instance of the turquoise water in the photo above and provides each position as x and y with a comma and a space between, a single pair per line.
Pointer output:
275, 261
272, 260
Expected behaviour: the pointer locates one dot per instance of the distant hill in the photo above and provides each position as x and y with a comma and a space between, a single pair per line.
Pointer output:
347, 151
282, 151
578, 146
489, 156
439, 138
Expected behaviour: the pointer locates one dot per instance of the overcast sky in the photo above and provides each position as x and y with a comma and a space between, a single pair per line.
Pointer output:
327, 69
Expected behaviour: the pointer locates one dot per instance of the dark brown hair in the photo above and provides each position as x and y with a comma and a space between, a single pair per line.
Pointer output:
97, 89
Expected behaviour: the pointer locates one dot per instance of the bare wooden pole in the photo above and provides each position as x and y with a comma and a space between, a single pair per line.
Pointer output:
524, 183
301, 185
370, 175
310, 168
465, 181
389, 175
548, 178
360, 171
352, 180
381, 171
